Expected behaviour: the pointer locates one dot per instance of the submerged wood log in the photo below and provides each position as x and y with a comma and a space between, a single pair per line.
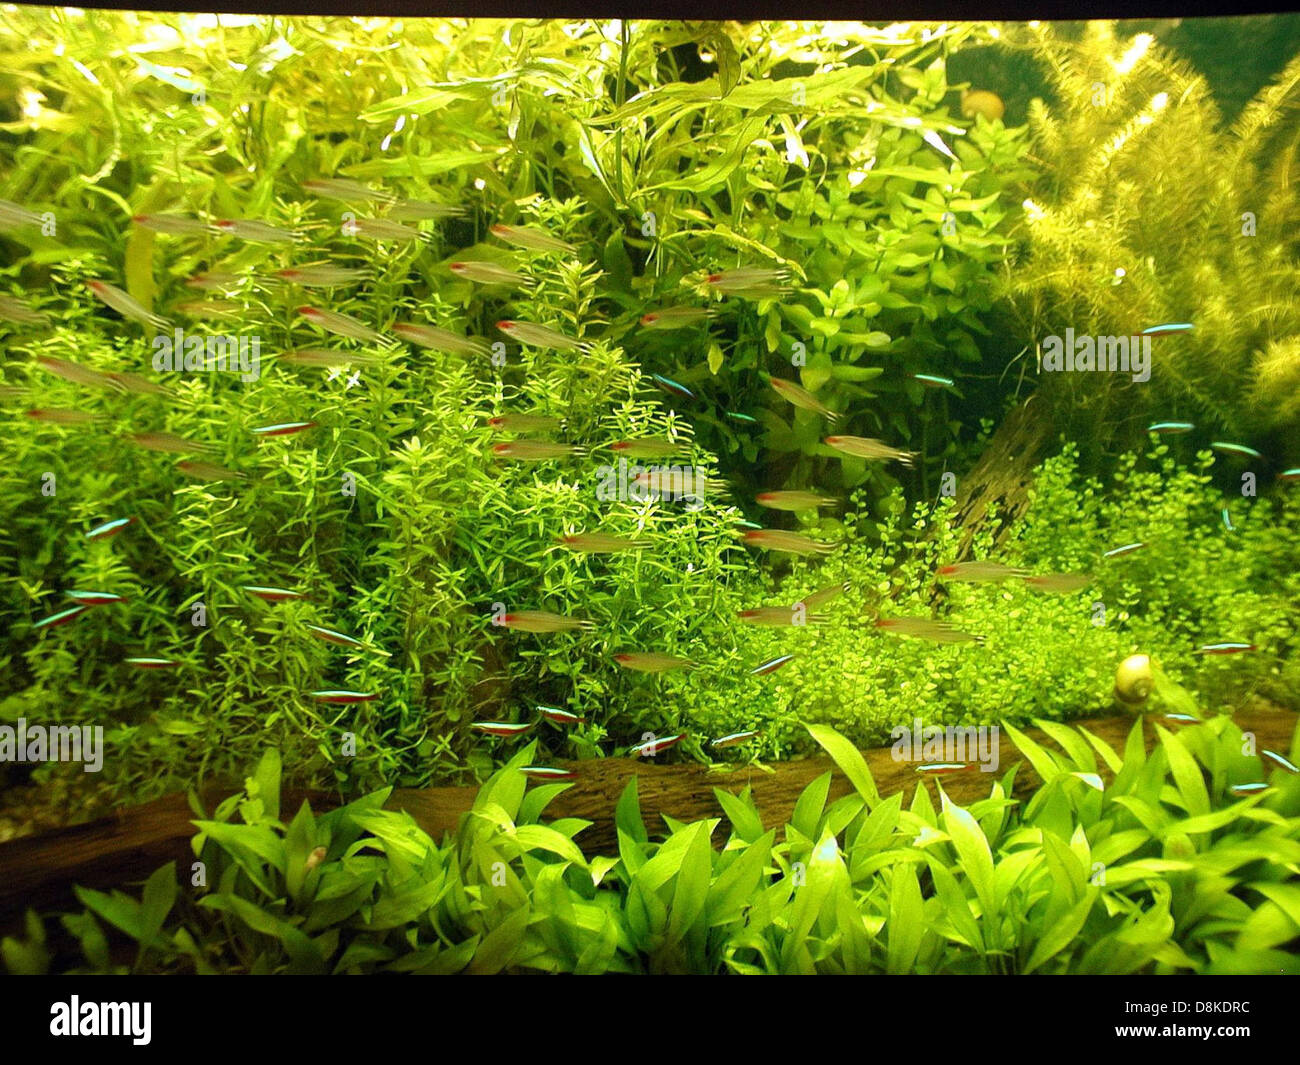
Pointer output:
1002, 477
39, 871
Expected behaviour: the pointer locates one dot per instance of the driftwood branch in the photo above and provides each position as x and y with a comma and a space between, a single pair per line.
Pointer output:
39, 871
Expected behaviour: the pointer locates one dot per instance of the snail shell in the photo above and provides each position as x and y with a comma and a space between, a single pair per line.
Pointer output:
1134, 680
982, 102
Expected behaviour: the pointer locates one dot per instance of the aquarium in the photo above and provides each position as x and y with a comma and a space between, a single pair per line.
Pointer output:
584, 496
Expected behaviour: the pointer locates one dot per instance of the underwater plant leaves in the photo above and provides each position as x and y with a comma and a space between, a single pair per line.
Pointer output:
498, 948
1071, 742
905, 923
138, 264
808, 807
1043, 761
421, 166
1061, 932
691, 890
708, 177
745, 820
265, 783
627, 814
540, 837
304, 954
421, 102
848, 758
1186, 772
972, 851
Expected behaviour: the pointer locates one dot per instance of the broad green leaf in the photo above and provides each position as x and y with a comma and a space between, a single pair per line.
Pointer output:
848, 758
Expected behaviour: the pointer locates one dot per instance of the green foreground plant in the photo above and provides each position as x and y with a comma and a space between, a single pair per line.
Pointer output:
1164, 868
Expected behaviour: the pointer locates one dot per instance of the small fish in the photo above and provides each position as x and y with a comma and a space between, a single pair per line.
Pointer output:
126, 305
61, 618
1181, 719
382, 229
133, 382
1059, 583
522, 423
744, 419
1249, 789
1228, 647
271, 595
778, 616
486, 273
342, 639
1285, 763
1127, 549
210, 308
346, 190
424, 210
675, 317
1290, 476
790, 542
57, 416
732, 739
672, 387
12, 392
675, 483
13, 214
652, 661
982, 570
600, 543
343, 697
543, 621
283, 429
152, 663
76, 373
539, 336
548, 772
649, 748
535, 450
771, 665
926, 629
16, 311
936, 142
109, 528
1167, 329
646, 448
933, 380
322, 276
940, 768
430, 336
254, 231
176, 225
209, 471
214, 281
342, 325
803, 399
530, 238
95, 598
824, 595
1170, 428
1227, 520
556, 716
502, 729
794, 500
750, 281
866, 448
325, 358
169, 442
1239, 450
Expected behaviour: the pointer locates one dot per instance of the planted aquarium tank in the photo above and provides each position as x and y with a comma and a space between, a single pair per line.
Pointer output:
606, 496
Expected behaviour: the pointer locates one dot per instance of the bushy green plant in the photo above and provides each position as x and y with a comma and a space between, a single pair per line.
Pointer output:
1161, 868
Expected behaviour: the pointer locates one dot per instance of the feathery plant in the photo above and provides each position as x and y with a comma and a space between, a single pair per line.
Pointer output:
1148, 210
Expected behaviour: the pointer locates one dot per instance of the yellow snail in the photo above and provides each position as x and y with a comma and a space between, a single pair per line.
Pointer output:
982, 102
1134, 680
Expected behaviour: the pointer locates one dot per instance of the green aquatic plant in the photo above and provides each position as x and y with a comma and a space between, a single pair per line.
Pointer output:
1149, 210
1160, 867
